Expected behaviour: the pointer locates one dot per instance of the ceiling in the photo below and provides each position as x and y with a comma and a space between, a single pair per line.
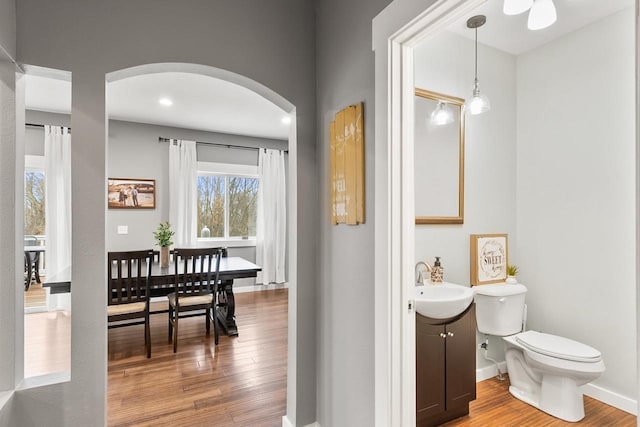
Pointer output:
210, 104
510, 33
199, 102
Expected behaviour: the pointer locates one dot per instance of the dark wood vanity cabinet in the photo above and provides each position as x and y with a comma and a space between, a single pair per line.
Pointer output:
445, 367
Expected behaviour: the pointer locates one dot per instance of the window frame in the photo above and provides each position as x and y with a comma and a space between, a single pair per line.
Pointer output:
226, 170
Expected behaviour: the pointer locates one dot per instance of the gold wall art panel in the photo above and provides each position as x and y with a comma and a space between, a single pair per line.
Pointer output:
346, 133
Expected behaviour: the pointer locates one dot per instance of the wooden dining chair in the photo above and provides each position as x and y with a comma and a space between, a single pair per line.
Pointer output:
128, 297
195, 288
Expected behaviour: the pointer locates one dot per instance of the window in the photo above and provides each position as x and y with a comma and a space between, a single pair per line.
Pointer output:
227, 201
34, 194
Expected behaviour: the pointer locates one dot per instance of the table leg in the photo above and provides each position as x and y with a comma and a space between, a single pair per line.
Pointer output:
37, 269
29, 265
226, 310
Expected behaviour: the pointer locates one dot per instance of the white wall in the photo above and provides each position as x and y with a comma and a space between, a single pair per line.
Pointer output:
445, 64
576, 191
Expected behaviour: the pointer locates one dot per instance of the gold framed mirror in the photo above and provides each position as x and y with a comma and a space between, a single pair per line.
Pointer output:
439, 158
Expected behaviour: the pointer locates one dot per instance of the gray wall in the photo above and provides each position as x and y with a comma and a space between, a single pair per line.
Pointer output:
134, 152
345, 64
7, 29
10, 168
269, 42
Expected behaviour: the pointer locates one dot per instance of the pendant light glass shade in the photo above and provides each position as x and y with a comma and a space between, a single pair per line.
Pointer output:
516, 7
479, 103
442, 115
542, 14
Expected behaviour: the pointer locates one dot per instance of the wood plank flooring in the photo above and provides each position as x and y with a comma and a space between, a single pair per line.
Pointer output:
35, 296
241, 382
495, 406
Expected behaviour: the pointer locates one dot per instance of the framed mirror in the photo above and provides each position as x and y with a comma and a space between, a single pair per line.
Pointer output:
439, 158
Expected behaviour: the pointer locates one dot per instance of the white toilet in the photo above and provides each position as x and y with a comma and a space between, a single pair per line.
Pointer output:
545, 371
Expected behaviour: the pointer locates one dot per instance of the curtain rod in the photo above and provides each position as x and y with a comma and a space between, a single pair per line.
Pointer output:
38, 125
241, 147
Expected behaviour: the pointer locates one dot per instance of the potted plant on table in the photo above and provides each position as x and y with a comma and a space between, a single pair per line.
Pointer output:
512, 272
163, 237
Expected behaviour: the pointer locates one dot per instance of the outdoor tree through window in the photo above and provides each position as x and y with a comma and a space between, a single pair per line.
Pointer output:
34, 213
227, 205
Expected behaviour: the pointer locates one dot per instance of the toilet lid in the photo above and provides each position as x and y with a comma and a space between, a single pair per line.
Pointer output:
560, 347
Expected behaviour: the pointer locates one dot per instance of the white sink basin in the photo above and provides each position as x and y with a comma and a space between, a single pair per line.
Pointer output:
443, 300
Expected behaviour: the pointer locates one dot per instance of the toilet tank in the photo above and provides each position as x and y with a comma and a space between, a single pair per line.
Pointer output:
500, 308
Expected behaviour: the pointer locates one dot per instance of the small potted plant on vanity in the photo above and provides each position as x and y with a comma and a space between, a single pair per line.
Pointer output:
163, 236
512, 272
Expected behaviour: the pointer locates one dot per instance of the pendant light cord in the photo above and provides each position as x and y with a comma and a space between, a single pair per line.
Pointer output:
476, 71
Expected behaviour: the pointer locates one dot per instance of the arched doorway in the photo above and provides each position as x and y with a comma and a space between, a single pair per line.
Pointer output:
271, 96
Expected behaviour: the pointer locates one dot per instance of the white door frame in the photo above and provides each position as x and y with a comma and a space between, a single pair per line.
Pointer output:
396, 30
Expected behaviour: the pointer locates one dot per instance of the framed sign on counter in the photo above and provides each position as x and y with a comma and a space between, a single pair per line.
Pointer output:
489, 258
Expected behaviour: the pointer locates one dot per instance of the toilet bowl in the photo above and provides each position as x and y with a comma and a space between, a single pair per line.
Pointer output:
545, 371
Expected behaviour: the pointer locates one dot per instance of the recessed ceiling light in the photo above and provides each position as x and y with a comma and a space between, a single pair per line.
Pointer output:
166, 102
286, 120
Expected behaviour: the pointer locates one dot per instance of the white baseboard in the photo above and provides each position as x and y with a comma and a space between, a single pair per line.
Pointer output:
258, 288
490, 371
287, 423
611, 398
39, 309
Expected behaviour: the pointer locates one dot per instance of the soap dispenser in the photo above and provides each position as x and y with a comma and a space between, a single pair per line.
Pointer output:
437, 272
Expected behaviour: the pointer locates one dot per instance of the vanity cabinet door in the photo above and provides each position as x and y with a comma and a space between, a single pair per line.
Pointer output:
461, 360
430, 369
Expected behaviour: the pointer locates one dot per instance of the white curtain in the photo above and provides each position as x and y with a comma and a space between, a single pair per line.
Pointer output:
183, 192
271, 227
57, 153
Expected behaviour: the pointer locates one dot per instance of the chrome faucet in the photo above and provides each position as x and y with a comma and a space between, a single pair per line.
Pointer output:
419, 278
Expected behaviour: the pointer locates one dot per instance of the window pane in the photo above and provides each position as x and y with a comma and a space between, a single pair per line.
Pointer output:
211, 204
34, 223
243, 201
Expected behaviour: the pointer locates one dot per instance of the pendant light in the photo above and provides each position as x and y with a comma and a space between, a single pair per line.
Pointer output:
479, 103
442, 115
516, 7
541, 15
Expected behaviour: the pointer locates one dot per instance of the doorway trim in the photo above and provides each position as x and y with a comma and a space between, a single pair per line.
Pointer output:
396, 30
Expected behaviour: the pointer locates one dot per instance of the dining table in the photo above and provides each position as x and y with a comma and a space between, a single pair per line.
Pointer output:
161, 283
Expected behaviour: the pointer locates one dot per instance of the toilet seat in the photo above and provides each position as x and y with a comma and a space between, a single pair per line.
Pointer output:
558, 347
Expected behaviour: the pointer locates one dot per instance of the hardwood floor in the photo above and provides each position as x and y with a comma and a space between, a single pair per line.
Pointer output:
35, 296
241, 382
495, 406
